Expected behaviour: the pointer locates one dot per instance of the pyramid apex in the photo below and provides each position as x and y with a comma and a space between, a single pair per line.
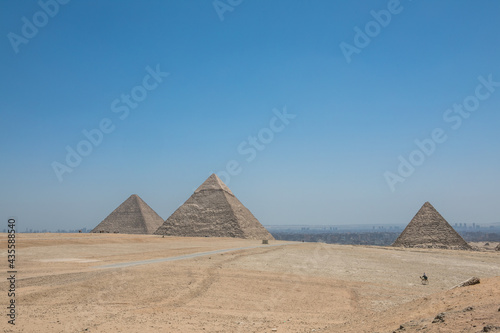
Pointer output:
213, 183
134, 198
428, 207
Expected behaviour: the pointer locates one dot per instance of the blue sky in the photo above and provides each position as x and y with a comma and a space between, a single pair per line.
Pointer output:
227, 79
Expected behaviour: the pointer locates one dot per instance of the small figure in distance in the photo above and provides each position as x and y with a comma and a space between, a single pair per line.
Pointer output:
424, 279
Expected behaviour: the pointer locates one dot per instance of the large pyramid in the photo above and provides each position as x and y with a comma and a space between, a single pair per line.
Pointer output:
429, 229
133, 216
213, 211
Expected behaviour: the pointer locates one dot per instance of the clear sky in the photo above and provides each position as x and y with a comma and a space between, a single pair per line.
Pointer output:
312, 112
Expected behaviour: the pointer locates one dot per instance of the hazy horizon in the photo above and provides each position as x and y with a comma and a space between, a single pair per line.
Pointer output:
320, 113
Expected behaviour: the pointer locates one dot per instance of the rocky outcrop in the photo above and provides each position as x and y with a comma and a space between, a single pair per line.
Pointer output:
469, 282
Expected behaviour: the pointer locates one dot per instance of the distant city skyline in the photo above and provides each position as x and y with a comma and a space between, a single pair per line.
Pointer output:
324, 112
326, 228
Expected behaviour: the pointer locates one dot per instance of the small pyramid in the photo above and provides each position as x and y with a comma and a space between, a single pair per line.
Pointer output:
213, 211
429, 229
133, 216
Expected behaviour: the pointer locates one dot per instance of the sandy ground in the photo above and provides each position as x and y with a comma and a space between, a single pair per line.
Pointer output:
288, 287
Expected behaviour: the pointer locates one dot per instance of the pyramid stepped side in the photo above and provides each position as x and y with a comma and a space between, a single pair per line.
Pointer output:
133, 216
213, 211
151, 219
204, 214
126, 218
429, 229
251, 227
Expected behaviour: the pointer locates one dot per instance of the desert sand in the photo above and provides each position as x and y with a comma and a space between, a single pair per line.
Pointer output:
67, 283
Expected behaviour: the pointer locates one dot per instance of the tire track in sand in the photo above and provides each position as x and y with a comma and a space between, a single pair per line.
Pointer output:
212, 275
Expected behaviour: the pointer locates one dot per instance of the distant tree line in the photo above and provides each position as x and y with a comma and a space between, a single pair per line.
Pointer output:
477, 236
370, 238
355, 238
59, 231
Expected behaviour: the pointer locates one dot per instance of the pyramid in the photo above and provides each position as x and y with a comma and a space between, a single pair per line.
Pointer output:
133, 216
213, 211
429, 229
